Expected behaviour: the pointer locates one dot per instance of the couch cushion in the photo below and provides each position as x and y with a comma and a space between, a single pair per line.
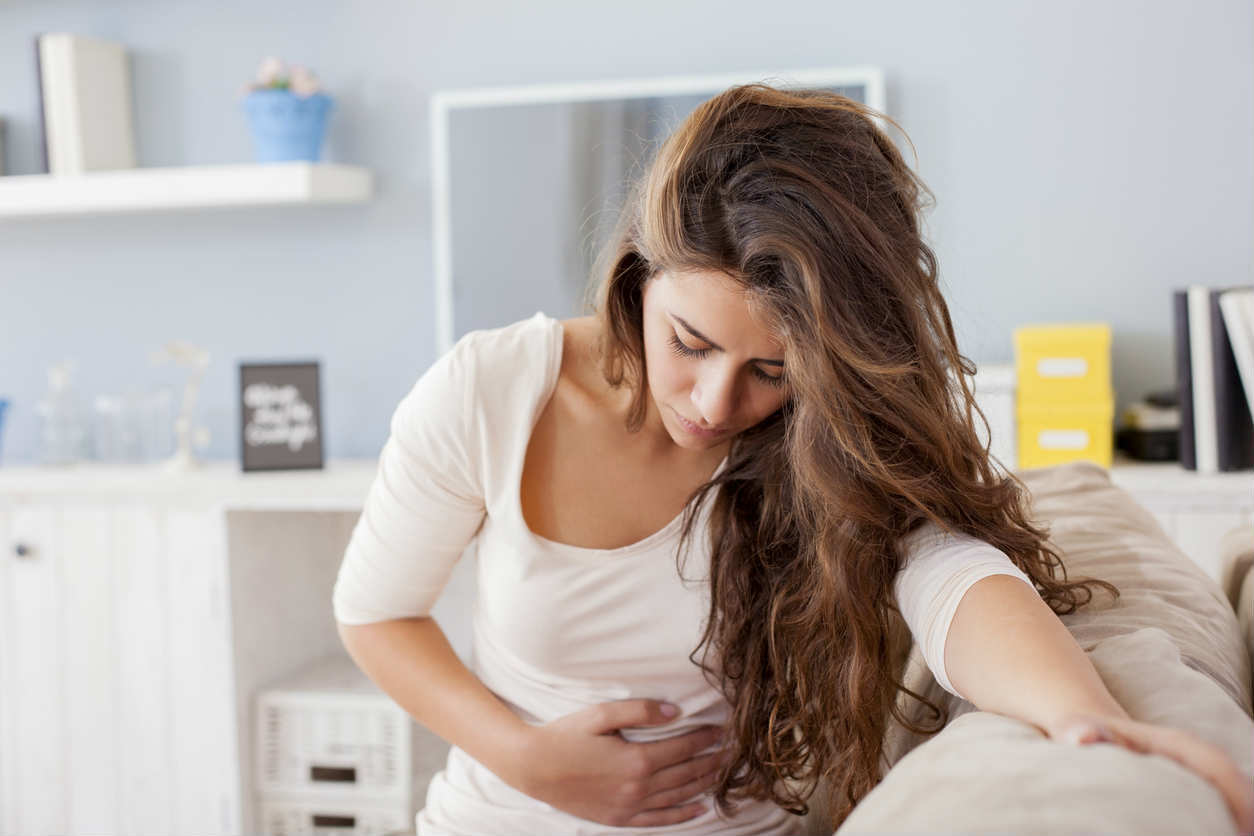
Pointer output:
1102, 532
1170, 651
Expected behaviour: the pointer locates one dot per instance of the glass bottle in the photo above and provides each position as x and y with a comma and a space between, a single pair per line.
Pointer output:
63, 427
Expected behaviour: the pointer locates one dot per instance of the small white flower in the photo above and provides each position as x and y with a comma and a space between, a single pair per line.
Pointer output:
270, 71
303, 82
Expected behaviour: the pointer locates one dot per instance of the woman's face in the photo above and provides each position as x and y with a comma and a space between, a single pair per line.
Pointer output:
709, 361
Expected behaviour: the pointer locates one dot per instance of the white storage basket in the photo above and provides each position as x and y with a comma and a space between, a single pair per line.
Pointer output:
329, 731
301, 815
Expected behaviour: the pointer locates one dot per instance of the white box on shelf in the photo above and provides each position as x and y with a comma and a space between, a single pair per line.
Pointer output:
995, 394
303, 815
328, 731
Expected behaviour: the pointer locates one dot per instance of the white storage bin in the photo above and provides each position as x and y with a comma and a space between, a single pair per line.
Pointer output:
995, 393
304, 815
329, 731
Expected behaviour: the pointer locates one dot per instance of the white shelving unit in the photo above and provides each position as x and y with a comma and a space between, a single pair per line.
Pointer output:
183, 187
142, 611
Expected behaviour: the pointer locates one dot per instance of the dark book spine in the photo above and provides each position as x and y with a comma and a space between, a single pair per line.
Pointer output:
1184, 379
43, 127
1234, 428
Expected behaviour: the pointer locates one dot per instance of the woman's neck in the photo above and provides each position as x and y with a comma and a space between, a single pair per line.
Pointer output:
653, 439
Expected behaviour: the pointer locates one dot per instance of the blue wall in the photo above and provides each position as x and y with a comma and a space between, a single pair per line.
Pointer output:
1087, 157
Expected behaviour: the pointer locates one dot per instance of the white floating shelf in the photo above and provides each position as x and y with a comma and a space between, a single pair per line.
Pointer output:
183, 187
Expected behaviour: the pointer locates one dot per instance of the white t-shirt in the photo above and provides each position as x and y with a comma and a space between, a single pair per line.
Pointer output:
559, 628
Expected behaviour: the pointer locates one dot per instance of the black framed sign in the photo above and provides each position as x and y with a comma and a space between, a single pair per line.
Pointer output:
280, 416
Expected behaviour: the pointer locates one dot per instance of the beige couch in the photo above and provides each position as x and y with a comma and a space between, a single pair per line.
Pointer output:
1171, 650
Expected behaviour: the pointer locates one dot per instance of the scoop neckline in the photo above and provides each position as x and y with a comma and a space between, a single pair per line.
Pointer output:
556, 337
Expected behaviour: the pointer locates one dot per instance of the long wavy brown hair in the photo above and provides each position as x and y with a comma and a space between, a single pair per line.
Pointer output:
801, 198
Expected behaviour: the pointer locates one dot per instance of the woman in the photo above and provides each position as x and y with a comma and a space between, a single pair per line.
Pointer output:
713, 498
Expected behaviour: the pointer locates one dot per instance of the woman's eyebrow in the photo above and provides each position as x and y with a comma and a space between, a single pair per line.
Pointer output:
694, 332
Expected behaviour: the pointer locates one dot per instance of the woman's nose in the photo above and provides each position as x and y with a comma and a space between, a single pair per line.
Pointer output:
715, 398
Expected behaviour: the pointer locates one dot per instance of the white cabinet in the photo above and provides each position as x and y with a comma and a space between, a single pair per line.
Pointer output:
114, 672
31, 723
137, 621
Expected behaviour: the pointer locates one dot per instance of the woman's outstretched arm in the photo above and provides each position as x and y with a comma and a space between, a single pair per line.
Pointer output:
1007, 652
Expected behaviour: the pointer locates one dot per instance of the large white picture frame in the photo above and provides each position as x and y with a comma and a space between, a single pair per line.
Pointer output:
445, 102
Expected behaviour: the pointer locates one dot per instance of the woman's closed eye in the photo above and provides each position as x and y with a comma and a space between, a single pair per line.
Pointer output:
682, 350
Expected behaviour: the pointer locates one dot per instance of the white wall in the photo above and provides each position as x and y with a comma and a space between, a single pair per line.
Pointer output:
1087, 158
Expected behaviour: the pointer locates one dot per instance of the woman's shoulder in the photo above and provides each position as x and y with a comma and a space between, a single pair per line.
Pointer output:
516, 369
480, 387
536, 329
509, 354
542, 349
930, 542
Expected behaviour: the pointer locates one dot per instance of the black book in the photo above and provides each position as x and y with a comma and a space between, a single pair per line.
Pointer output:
1234, 428
1184, 378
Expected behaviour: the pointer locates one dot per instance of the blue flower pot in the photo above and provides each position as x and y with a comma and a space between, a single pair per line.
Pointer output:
286, 126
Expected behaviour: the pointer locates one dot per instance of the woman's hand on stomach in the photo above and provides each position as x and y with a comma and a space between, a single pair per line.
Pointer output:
581, 765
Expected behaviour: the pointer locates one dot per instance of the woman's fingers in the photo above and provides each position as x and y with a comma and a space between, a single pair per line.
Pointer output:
687, 793
1204, 758
680, 783
1213, 763
609, 717
675, 750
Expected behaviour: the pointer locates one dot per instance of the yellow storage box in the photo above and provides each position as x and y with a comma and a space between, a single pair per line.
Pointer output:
1063, 363
1051, 434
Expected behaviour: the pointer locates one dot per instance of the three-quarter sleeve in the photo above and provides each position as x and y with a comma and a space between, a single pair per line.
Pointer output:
939, 569
425, 504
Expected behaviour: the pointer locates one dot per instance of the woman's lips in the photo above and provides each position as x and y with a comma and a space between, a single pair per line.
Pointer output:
697, 431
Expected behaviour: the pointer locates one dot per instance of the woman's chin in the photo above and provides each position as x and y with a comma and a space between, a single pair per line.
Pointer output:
687, 443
